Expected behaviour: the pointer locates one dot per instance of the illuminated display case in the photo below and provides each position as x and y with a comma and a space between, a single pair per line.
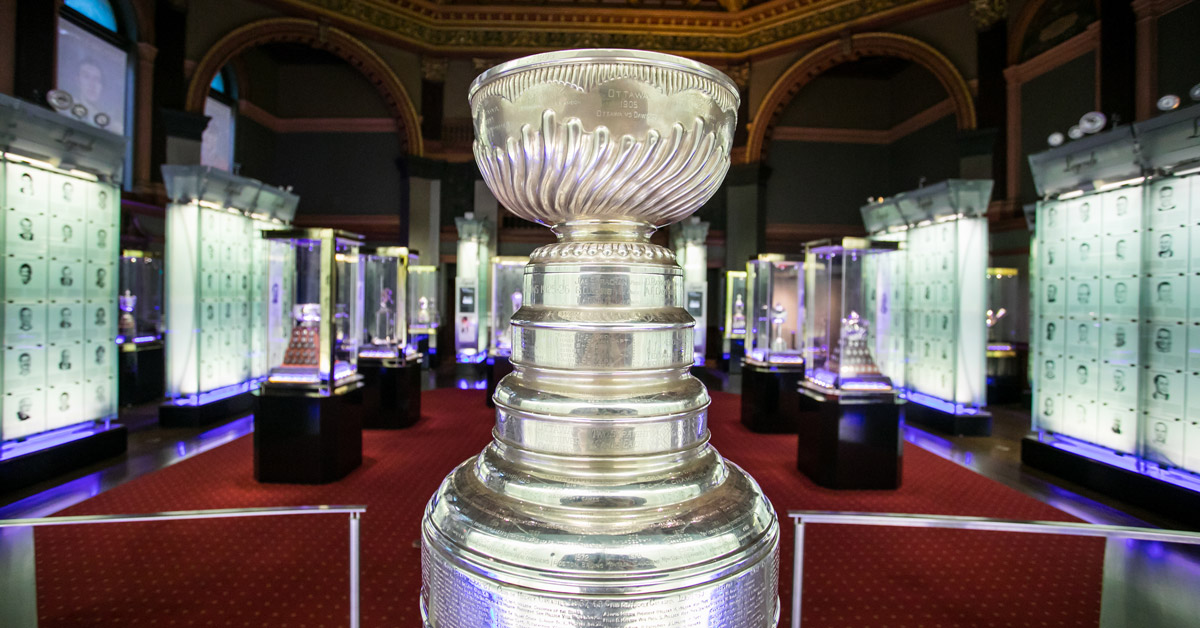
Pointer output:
140, 299
323, 319
775, 318
385, 290
736, 305
691, 252
1008, 331
218, 300
842, 322
508, 275
470, 287
1115, 337
424, 301
932, 338
59, 262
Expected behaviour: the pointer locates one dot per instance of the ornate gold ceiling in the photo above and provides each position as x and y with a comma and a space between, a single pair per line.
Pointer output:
706, 29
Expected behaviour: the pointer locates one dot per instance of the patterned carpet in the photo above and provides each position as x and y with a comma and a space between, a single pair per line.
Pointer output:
291, 571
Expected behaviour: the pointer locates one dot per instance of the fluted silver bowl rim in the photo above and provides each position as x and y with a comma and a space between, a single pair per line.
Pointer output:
603, 55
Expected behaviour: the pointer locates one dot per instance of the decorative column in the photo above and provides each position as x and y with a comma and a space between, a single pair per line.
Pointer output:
143, 115
991, 102
433, 88
691, 251
1146, 63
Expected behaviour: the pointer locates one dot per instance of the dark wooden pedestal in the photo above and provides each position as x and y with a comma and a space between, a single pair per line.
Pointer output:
391, 393
142, 375
21, 470
496, 368
771, 403
850, 443
306, 440
737, 351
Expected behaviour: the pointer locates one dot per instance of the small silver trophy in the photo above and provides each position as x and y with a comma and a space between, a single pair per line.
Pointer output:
601, 502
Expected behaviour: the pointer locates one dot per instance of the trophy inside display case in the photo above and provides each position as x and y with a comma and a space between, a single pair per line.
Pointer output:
140, 299
471, 286
324, 328
733, 328
385, 287
507, 276
424, 307
775, 324
841, 324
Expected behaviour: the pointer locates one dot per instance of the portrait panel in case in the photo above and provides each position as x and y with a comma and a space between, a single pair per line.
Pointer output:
1191, 445
24, 324
67, 279
1054, 336
1167, 250
24, 368
1084, 297
1163, 439
99, 360
1052, 371
1048, 410
1168, 203
1165, 297
26, 232
1052, 257
1084, 220
100, 321
1054, 298
1120, 342
102, 206
1122, 210
25, 278
1122, 254
1193, 349
1163, 391
24, 414
1051, 220
65, 321
100, 399
101, 282
1083, 257
1119, 297
101, 240
66, 238
1079, 419
1083, 379
1119, 385
68, 196
1117, 428
66, 362
1166, 345
66, 404
1083, 339
28, 188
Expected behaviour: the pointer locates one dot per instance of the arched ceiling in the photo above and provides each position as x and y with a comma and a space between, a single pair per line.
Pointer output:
703, 29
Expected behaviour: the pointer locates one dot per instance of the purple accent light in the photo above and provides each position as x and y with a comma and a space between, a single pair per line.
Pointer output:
941, 405
1128, 462
49, 440
216, 395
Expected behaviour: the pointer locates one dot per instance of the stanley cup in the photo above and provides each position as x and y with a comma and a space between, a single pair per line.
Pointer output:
600, 503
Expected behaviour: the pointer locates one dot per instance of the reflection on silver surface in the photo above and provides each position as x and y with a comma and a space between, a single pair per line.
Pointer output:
600, 502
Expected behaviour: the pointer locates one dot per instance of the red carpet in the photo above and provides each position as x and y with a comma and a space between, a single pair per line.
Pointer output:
292, 571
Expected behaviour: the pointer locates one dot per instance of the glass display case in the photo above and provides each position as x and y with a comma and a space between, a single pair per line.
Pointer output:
508, 276
1008, 331
385, 328
776, 316
424, 301
218, 300
841, 326
691, 252
736, 304
470, 287
323, 320
140, 299
60, 196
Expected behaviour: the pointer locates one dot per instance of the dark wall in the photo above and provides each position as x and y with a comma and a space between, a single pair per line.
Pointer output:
340, 173
254, 149
840, 102
1178, 51
930, 152
1053, 102
823, 183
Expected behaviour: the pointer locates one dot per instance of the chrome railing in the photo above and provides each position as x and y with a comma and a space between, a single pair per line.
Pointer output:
801, 518
354, 512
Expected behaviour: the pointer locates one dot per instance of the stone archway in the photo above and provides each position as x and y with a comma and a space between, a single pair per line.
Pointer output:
316, 35
855, 47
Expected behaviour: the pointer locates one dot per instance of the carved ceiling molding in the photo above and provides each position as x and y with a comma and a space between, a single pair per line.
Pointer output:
321, 37
852, 48
455, 29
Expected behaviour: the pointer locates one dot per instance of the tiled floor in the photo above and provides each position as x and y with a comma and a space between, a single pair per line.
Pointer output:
1146, 584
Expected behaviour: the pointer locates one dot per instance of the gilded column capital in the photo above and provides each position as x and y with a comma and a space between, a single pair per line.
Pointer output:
986, 13
433, 69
